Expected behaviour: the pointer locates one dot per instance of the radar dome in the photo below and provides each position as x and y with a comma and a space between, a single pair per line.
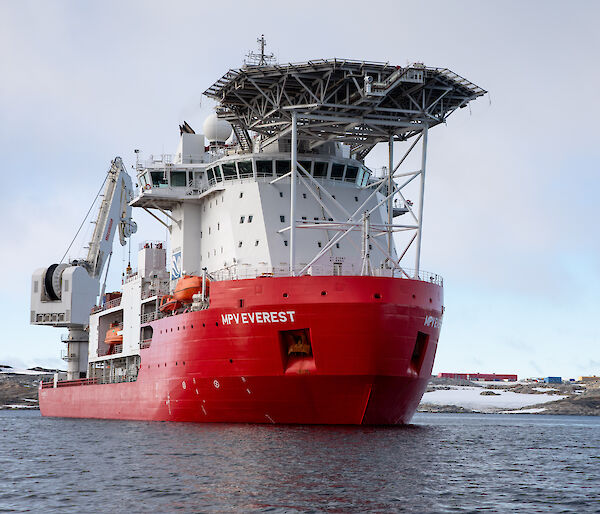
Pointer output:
216, 130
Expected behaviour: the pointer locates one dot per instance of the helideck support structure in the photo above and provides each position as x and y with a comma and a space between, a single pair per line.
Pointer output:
358, 103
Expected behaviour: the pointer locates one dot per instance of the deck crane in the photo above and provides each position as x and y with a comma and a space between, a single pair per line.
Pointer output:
62, 295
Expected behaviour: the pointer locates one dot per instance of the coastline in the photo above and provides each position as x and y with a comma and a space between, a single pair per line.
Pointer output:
463, 397
19, 391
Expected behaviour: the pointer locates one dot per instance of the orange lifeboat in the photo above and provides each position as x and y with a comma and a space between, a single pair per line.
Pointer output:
114, 335
187, 287
168, 304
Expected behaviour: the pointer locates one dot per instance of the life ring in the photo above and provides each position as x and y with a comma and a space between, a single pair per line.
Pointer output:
147, 186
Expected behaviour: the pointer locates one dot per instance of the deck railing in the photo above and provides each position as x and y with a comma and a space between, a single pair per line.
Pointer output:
115, 302
69, 383
240, 272
148, 317
49, 384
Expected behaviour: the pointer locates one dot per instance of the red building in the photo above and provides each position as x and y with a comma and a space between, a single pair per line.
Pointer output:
490, 377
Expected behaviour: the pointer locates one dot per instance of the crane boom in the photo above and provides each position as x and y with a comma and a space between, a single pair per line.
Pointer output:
63, 294
114, 213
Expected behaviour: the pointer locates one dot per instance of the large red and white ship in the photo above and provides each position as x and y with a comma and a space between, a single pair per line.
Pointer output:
286, 298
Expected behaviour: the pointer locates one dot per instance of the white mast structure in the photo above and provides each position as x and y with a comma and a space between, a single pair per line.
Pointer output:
359, 104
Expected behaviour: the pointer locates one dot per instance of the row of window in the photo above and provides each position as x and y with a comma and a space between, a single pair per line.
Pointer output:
264, 168
257, 242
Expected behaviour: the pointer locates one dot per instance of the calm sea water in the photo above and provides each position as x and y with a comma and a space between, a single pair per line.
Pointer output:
440, 463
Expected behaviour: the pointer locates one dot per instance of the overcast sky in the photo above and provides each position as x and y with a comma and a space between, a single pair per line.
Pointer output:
511, 212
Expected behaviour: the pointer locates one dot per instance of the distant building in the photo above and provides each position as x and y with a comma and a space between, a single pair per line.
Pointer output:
593, 378
553, 380
488, 377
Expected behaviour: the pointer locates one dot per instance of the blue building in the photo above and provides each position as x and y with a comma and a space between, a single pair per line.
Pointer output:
553, 380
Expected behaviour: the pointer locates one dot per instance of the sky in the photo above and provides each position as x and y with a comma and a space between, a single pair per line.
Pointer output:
511, 210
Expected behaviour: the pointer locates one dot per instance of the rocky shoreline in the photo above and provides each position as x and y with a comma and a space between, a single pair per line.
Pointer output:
573, 399
19, 390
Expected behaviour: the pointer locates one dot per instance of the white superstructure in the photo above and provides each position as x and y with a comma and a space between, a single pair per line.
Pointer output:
231, 214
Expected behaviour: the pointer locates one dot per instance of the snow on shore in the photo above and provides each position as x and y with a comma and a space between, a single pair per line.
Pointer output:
471, 398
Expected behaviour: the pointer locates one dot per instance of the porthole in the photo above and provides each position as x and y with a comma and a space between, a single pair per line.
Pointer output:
413, 296
377, 296
323, 293
285, 295
216, 323
203, 325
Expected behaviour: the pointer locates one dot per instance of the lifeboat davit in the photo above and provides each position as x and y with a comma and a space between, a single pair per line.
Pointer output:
114, 335
168, 304
187, 287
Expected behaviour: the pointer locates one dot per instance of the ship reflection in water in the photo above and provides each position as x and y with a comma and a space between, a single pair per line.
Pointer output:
440, 463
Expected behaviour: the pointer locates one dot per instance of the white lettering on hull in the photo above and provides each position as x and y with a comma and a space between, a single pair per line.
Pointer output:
245, 318
432, 321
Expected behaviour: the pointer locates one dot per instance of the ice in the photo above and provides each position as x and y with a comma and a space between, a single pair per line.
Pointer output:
470, 398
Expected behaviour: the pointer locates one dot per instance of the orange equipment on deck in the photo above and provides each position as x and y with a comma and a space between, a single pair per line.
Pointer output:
168, 304
187, 287
113, 336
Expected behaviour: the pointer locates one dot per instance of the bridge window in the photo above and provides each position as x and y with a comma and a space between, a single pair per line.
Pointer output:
366, 174
245, 168
264, 168
320, 169
229, 170
158, 178
351, 173
282, 167
337, 171
306, 165
211, 174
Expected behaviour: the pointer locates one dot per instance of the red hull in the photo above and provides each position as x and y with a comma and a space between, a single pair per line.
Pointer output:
373, 344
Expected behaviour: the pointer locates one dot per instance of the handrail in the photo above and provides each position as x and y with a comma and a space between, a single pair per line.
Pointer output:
240, 272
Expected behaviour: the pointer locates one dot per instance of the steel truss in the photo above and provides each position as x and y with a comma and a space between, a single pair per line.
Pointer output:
355, 102
360, 104
344, 222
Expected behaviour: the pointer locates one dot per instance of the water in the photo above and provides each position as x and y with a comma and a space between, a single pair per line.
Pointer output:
440, 463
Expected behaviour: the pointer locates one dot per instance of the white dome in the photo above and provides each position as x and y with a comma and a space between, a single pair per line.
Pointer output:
216, 130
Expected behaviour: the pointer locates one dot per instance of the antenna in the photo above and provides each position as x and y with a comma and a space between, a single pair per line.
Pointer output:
260, 59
